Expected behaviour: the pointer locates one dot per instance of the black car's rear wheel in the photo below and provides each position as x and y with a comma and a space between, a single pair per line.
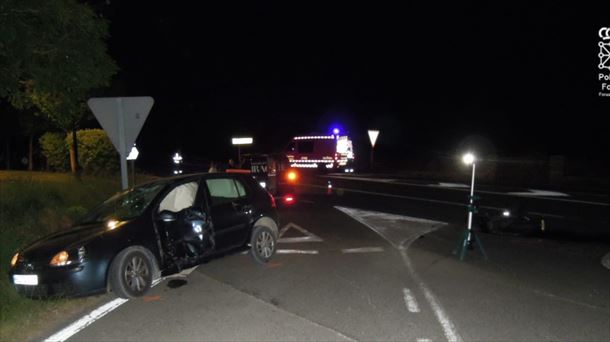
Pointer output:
263, 244
131, 273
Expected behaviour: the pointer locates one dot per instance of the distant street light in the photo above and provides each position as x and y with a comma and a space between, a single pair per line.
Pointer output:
239, 142
466, 241
373, 134
177, 159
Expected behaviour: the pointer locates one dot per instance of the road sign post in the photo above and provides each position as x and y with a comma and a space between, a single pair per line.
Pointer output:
238, 142
373, 134
133, 155
122, 119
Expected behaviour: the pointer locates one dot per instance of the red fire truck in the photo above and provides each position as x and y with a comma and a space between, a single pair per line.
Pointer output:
324, 152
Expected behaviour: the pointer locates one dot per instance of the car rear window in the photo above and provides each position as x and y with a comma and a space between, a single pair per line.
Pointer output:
225, 190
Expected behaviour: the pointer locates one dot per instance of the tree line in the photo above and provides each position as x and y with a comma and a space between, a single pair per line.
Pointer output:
53, 57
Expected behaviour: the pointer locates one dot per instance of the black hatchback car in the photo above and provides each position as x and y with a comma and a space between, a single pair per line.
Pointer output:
152, 230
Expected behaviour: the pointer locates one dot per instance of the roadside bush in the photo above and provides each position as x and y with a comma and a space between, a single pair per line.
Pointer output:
95, 152
55, 150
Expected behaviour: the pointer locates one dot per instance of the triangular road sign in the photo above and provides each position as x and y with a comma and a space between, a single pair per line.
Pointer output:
307, 236
121, 118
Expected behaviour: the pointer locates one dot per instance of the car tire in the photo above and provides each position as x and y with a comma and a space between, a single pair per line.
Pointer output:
131, 273
263, 244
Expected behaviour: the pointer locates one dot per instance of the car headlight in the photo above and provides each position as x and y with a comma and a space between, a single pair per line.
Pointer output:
60, 259
14, 259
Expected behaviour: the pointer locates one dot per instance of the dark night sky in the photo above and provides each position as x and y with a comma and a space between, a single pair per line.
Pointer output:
520, 77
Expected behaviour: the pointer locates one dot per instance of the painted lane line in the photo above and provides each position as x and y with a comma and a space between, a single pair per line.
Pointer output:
296, 251
451, 185
100, 312
447, 325
362, 250
309, 236
606, 261
393, 196
532, 192
410, 301
603, 204
299, 239
86, 320
424, 340
420, 199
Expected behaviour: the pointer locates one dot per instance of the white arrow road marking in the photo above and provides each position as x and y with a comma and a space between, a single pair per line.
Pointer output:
102, 311
410, 301
309, 236
401, 231
362, 250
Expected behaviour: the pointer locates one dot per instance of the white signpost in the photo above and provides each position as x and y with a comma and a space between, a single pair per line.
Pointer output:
238, 142
122, 118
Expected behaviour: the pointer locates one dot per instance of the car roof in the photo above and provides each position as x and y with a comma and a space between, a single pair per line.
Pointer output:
190, 176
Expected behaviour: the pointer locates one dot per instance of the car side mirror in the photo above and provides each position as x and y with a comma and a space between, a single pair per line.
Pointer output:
167, 216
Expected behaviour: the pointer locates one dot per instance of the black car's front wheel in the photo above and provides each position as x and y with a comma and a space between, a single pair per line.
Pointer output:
263, 244
131, 273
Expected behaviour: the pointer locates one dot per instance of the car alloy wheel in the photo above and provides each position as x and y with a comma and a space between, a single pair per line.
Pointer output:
136, 273
265, 244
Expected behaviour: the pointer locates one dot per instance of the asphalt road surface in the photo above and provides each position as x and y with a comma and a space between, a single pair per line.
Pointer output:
374, 261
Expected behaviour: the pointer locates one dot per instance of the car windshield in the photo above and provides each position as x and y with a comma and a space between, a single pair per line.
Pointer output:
124, 205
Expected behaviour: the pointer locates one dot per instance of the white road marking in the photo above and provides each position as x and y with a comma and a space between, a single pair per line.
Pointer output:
309, 236
606, 261
86, 320
420, 199
299, 239
100, 312
389, 234
424, 340
366, 179
362, 250
296, 251
543, 193
410, 301
448, 327
481, 192
453, 185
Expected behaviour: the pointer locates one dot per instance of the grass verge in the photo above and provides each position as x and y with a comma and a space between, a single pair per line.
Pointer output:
32, 205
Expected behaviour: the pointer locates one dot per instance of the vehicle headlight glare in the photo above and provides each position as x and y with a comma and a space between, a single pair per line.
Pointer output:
14, 259
112, 224
60, 259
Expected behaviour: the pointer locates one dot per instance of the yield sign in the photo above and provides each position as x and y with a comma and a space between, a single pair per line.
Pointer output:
373, 134
121, 118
